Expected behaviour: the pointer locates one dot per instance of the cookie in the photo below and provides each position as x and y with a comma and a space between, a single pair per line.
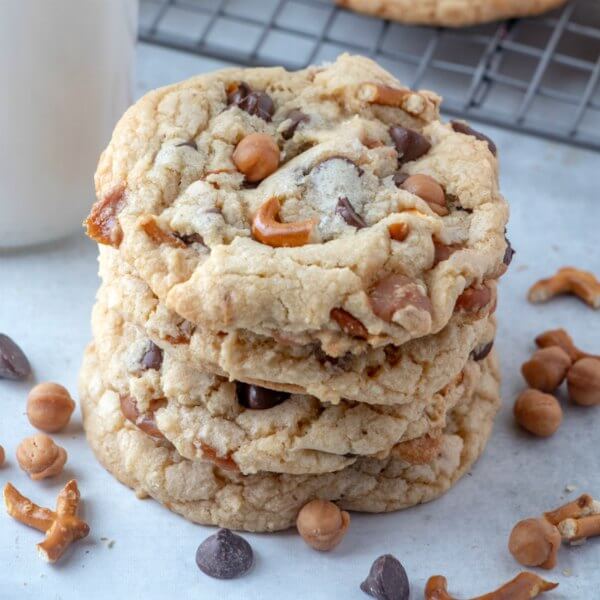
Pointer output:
450, 13
390, 375
328, 205
204, 493
251, 429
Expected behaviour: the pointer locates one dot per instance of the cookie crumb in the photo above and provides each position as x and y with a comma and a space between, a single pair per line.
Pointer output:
567, 572
570, 488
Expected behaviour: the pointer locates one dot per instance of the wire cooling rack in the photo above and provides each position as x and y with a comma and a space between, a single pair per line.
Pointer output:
538, 75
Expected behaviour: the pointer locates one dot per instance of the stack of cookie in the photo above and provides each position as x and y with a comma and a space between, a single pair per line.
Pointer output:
298, 285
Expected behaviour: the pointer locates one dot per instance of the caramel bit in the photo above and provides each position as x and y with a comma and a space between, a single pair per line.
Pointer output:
567, 280
158, 235
185, 331
268, 230
145, 421
428, 189
420, 451
322, 524
102, 224
398, 231
523, 587
475, 298
349, 324
583, 382
397, 292
62, 527
560, 338
535, 543
40, 457
223, 462
442, 252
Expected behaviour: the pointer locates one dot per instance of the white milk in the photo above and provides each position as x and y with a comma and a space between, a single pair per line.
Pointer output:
66, 77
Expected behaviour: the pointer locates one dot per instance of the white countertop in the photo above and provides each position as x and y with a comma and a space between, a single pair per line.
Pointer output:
46, 295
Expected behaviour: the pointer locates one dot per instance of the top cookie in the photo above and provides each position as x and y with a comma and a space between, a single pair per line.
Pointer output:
328, 205
450, 13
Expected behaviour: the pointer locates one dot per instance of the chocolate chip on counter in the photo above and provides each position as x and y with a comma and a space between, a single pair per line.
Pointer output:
254, 103
258, 398
224, 555
481, 352
399, 178
387, 580
462, 127
13, 362
509, 253
296, 117
152, 358
345, 210
410, 144
191, 144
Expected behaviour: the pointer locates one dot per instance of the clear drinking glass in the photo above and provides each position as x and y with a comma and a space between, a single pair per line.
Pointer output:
66, 68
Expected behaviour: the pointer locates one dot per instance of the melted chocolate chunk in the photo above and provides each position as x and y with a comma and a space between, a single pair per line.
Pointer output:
481, 352
296, 117
345, 210
224, 555
410, 144
13, 362
255, 397
399, 178
191, 238
191, 144
254, 103
152, 358
461, 127
509, 253
387, 580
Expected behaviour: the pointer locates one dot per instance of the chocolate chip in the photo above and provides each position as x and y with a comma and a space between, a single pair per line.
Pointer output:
345, 210
462, 127
258, 398
13, 363
191, 144
481, 352
190, 238
254, 103
152, 358
410, 144
224, 555
296, 117
509, 252
387, 580
399, 178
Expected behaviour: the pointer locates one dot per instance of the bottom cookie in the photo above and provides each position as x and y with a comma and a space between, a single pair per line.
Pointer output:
203, 493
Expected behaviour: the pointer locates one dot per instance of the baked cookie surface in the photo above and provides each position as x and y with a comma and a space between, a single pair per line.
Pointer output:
251, 429
450, 13
390, 375
377, 224
204, 493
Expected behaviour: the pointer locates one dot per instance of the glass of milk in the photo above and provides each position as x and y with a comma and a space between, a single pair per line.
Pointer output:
66, 70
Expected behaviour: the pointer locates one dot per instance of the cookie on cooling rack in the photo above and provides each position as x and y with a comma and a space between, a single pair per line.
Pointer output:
450, 13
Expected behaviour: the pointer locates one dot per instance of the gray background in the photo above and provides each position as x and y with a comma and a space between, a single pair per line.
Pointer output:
45, 299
